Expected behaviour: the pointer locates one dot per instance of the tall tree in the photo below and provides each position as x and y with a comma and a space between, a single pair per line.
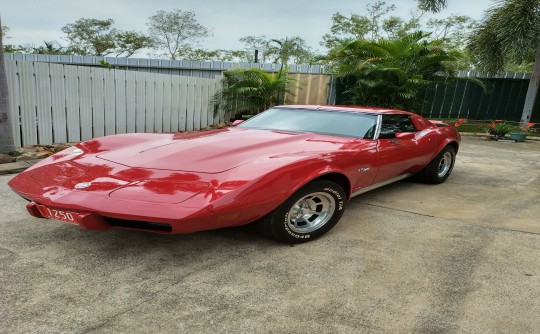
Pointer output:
91, 36
374, 24
6, 132
175, 30
510, 34
129, 42
215, 55
454, 30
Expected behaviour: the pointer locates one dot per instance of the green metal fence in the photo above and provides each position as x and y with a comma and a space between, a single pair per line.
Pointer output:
503, 99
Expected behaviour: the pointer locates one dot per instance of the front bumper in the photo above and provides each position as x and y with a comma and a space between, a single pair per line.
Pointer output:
87, 221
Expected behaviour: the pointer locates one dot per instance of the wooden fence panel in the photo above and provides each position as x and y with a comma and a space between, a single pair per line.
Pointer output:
205, 119
158, 103
58, 103
219, 116
73, 116
183, 103
85, 99
176, 103
150, 97
44, 104
98, 102
54, 103
190, 104
210, 110
131, 101
120, 101
28, 104
140, 118
197, 110
14, 99
167, 103
109, 96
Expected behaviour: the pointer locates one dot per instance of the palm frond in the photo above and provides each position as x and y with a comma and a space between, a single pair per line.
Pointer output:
394, 72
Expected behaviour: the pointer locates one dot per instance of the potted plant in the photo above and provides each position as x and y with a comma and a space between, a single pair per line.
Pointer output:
499, 129
520, 134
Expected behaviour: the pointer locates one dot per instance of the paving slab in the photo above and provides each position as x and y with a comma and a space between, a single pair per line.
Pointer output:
16, 167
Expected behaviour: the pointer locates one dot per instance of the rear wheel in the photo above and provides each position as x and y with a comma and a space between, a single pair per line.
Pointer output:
439, 169
309, 213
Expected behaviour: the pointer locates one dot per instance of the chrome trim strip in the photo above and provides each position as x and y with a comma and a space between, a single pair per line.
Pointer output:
380, 184
379, 126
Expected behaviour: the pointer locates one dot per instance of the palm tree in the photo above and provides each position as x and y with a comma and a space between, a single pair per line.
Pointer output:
510, 33
6, 134
434, 6
289, 48
249, 92
394, 73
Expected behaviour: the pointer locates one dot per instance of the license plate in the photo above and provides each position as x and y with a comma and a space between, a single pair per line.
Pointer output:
65, 216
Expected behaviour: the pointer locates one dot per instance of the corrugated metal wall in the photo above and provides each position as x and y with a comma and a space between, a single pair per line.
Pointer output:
503, 99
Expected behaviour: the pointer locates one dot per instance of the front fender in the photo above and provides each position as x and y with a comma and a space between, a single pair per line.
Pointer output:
266, 192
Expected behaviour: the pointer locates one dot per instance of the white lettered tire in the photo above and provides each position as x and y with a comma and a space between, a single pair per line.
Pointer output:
309, 213
440, 168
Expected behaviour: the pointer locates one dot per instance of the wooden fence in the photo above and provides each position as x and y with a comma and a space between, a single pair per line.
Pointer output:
56, 103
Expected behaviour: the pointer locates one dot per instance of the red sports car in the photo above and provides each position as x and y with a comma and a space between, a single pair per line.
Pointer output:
291, 169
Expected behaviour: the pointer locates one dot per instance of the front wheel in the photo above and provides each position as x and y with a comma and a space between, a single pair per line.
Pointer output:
309, 213
439, 169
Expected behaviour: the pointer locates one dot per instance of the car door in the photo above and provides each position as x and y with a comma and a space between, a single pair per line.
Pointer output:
399, 155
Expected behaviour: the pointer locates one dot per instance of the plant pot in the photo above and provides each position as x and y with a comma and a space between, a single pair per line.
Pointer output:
518, 136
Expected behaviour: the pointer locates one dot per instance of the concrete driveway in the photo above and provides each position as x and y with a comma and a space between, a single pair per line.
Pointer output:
461, 257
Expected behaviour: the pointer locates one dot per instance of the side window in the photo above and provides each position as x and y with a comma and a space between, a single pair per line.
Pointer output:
392, 124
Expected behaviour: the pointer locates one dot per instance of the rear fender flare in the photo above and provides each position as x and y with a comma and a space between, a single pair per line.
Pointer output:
446, 142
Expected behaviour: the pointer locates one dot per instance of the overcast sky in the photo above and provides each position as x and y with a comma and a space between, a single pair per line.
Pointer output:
35, 21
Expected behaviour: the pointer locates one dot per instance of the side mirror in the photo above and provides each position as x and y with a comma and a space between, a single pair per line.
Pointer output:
238, 121
405, 135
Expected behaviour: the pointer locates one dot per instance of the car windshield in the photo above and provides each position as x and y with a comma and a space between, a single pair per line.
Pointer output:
336, 123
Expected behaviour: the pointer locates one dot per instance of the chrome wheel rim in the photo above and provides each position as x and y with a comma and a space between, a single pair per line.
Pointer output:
445, 164
311, 212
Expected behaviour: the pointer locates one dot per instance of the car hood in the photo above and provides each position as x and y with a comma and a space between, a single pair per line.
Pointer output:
218, 151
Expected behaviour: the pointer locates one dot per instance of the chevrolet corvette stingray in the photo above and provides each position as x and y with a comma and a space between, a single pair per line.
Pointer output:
291, 170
